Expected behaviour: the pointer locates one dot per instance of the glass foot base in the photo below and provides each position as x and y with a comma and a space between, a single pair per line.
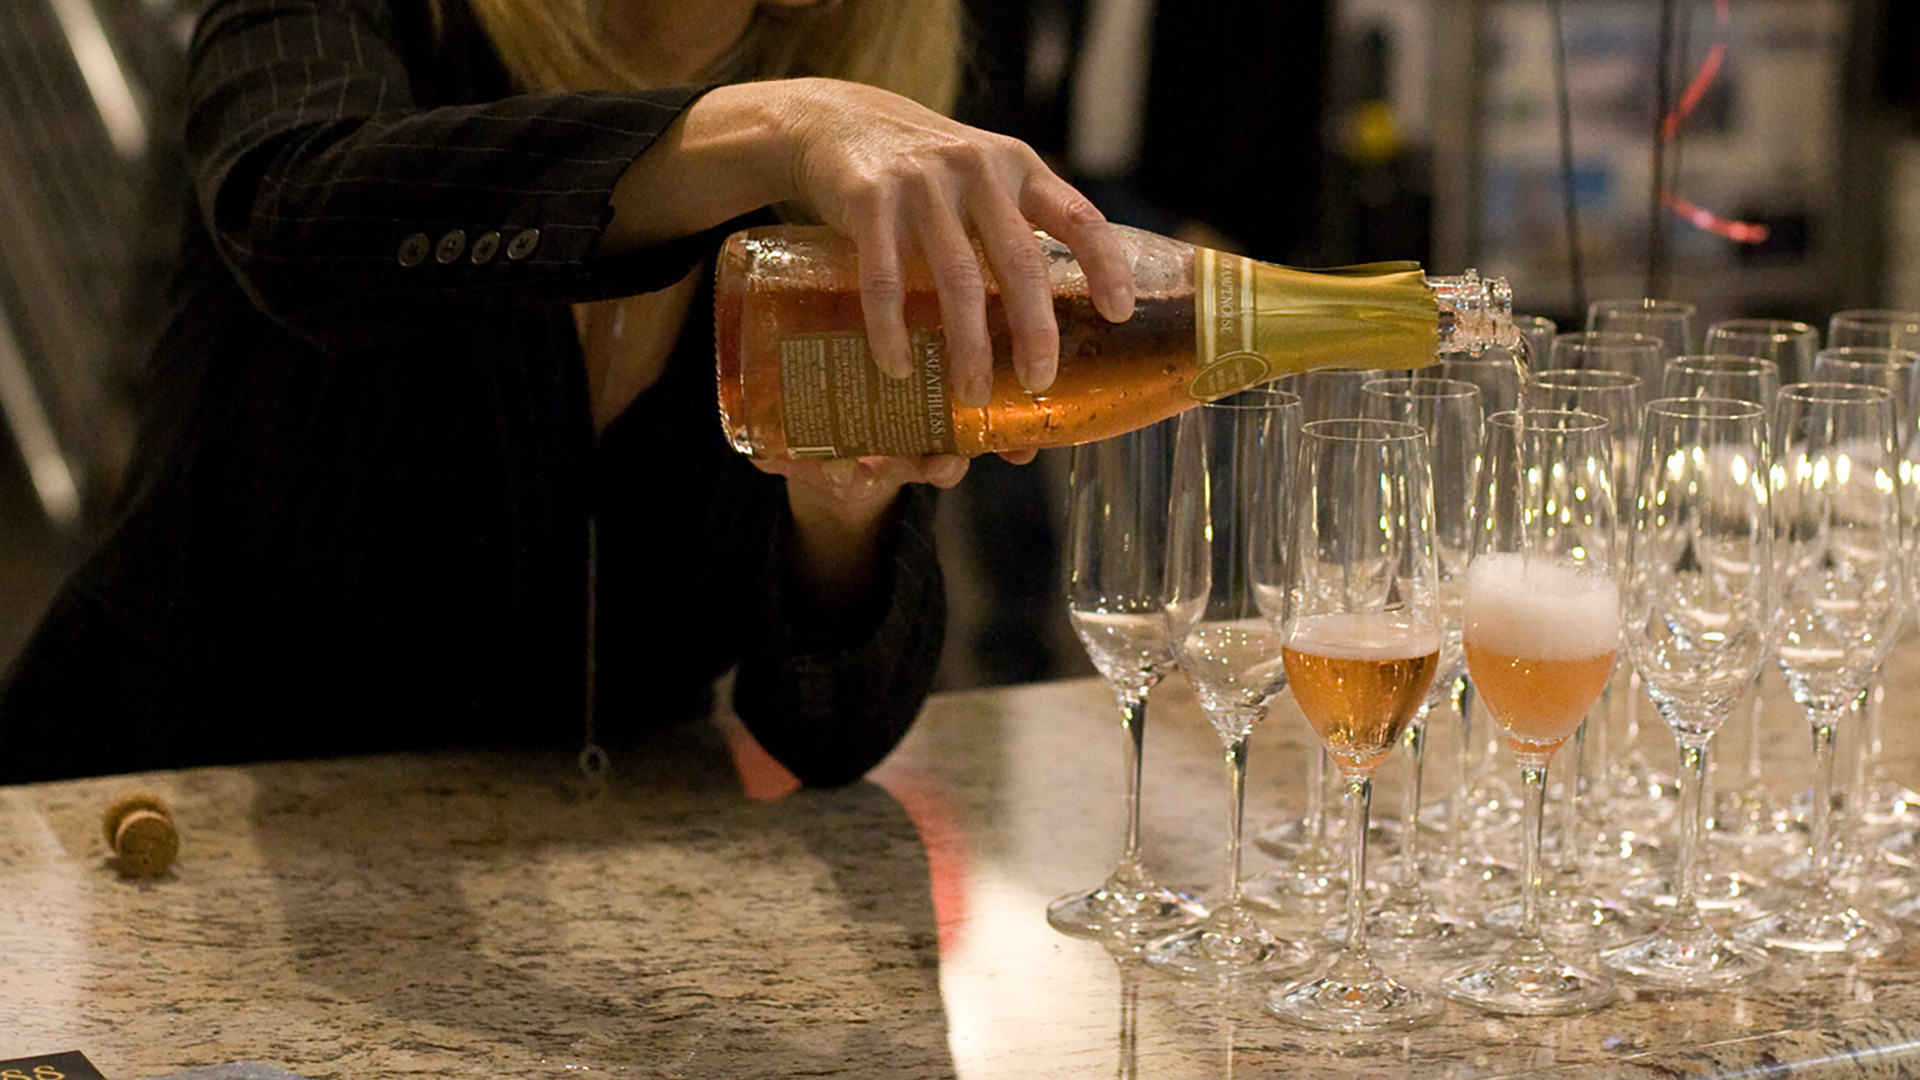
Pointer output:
1355, 1001
1684, 959
1821, 929
1414, 934
1297, 891
1117, 909
1577, 922
1717, 890
1228, 945
1529, 982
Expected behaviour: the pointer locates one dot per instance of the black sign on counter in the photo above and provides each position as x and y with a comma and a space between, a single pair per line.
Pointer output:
72, 1065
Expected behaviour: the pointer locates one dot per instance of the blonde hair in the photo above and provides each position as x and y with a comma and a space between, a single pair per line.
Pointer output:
911, 47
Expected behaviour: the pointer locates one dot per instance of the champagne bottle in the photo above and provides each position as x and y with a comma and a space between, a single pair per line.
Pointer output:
797, 380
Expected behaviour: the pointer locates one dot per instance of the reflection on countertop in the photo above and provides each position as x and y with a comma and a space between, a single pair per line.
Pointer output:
476, 914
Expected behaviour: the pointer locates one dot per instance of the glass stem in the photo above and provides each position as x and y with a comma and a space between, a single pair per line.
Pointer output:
1533, 793
1129, 1021
1457, 817
1692, 778
1416, 737
1820, 875
1316, 799
1133, 719
1237, 787
1568, 852
1596, 769
1359, 796
1632, 736
1755, 737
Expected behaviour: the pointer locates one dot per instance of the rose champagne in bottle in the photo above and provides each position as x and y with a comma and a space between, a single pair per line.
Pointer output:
797, 380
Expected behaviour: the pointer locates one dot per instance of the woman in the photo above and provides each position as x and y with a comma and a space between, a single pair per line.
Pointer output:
402, 466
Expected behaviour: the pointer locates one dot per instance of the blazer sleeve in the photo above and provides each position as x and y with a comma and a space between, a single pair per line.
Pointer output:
344, 208
831, 710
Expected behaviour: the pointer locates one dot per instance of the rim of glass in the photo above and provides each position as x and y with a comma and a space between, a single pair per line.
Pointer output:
1362, 429
1651, 304
1778, 329
1734, 362
1835, 391
1881, 355
1587, 378
1421, 388
1715, 408
1280, 398
1554, 420
1874, 317
1608, 339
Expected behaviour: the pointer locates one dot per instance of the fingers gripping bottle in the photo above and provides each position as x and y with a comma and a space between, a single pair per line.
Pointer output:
796, 378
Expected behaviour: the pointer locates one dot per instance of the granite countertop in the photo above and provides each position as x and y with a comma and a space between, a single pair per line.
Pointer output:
485, 915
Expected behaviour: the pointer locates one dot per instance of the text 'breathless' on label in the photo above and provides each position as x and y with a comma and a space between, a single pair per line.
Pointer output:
835, 403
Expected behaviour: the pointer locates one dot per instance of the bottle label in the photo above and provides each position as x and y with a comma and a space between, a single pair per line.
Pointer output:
1256, 321
1226, 295
835, 403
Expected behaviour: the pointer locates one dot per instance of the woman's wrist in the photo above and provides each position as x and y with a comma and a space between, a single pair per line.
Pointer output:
730, 153
836, 547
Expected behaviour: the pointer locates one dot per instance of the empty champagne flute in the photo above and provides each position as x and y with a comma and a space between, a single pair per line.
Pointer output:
1226, 598
1119, 496
1539, 332
1636, 791
1362, 645
1883, 327
1789, 345
1838, 577
1874, 798
1675, 322
1542, 627
1746, 814
1607, 350
1699, 606
1407, 923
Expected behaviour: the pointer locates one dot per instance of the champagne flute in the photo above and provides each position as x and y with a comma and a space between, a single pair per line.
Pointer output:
1723, 375
1746, 369
1362, 645
1607, 350
1539, 332
1838, 574
1573, 912
1226, 596
1874, 799
1407, 923
1790, 345
1634, 790
1310, 879
1542, 628
1698, 612
1120, 491
1875, 326
1674, 322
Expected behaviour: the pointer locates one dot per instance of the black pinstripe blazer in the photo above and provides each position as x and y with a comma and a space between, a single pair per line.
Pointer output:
359, 512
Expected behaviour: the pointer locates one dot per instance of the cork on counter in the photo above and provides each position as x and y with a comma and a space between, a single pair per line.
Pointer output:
140, 830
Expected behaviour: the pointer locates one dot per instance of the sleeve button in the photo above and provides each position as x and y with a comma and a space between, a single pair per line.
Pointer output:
413, 250
451, 247
485, 247
522, 244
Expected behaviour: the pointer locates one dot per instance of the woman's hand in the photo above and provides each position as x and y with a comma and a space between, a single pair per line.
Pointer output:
903, 181
907, 185
841, 510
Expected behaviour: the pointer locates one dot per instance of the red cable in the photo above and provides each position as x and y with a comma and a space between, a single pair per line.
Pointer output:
1742, 232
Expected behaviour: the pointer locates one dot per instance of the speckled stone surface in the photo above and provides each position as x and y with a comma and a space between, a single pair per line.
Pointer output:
480, 915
